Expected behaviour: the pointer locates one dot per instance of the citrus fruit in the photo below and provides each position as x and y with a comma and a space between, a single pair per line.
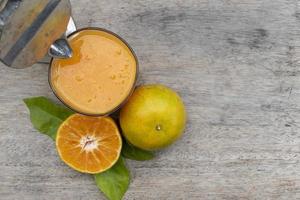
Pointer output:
89, 144
153, 118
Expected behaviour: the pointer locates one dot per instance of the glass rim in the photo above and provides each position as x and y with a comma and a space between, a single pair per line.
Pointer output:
125, 99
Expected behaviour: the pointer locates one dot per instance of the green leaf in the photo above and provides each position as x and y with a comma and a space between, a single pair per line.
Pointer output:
115, 181
131, 152
45, 115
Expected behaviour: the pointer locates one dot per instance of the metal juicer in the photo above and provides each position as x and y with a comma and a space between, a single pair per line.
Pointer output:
33, 31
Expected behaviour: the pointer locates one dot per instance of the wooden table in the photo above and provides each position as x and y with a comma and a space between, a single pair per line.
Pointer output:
236, 64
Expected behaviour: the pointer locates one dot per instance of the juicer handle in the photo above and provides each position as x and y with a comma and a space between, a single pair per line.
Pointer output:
7, 8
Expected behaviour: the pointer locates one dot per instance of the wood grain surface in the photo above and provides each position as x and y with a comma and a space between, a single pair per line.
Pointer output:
236, 65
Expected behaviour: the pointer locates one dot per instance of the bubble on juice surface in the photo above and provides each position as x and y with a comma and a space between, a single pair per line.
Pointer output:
78, 78
113, 77
88, 57
119, 52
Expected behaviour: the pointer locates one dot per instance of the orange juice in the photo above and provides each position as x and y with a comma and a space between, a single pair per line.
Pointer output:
98, 77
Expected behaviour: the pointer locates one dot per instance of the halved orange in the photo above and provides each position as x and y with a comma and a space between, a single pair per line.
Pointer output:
89, 144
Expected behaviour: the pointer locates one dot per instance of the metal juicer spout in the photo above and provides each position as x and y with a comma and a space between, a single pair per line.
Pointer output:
60, 49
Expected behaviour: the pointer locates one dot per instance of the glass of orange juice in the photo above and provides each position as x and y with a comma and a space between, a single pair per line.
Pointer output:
100, 75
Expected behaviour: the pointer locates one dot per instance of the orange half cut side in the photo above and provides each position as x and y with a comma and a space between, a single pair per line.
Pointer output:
89, 144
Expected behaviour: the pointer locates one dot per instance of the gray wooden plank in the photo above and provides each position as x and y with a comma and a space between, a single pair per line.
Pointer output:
236, 65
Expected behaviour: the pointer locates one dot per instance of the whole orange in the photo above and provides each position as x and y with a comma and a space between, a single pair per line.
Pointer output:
153, 118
